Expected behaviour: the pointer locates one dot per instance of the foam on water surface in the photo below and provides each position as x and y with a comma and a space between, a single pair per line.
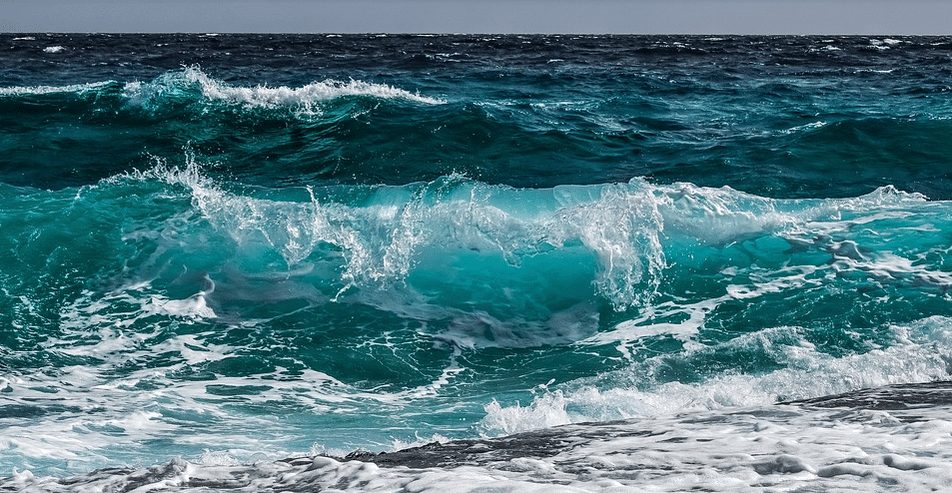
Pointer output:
304, 97
155, 93
576, 262
296, 254
751, 448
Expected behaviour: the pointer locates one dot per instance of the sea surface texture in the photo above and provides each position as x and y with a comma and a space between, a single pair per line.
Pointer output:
227, 259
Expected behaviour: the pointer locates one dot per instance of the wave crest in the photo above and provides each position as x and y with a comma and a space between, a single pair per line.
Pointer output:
192, 82
263, 96
41, 90
626, 231
923, 352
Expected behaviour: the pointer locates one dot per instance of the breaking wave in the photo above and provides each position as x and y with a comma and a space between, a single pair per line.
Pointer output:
192, 82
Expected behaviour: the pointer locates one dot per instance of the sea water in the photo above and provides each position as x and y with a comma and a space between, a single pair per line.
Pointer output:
218, 252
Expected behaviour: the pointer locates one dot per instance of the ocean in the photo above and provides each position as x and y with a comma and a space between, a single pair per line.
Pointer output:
509, 263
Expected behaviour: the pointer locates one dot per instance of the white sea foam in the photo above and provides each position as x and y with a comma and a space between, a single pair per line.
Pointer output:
86, 311
749, 449
923, 353
304, 98
109, 418
114, 417
54, 49
71, 88
883, 44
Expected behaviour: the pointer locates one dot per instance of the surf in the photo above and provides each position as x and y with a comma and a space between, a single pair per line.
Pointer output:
585, 246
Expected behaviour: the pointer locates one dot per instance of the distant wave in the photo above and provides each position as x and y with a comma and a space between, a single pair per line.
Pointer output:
192, 81
41, 90
264, 96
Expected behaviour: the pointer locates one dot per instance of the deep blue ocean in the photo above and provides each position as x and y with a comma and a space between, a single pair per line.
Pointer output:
229, 249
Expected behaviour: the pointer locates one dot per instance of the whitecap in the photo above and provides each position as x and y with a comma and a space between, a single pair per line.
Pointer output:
804, 127
38, 90
786, 448
263, 96
923, 353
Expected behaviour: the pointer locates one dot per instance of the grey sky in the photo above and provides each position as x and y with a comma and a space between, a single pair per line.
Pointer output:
498, 16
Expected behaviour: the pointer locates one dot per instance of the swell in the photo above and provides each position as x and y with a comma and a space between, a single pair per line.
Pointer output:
369, 133
191, 84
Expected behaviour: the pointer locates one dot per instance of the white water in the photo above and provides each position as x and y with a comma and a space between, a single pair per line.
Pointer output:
776, 448
923, 354
304, 98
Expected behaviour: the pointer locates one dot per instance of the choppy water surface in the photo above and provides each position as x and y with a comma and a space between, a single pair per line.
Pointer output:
234, 249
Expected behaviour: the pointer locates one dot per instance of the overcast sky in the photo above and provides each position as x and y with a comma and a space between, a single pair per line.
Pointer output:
482, 16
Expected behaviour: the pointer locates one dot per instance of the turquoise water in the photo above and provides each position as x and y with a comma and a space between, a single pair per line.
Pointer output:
241, 248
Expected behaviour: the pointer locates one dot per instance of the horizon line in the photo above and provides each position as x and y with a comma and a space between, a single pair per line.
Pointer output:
513, 33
